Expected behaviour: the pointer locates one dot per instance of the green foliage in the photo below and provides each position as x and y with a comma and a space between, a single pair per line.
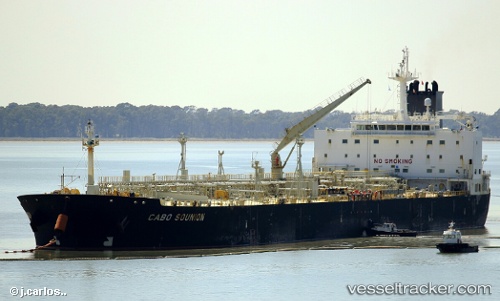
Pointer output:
36, 120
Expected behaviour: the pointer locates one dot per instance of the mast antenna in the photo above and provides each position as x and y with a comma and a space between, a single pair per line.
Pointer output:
220, 171
403, 75
89, 143
182, 164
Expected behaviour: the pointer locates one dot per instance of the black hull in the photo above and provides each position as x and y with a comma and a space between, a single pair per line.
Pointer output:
457, 248
97, 222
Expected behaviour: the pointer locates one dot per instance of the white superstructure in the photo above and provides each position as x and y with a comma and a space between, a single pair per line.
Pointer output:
414, 145
451, 235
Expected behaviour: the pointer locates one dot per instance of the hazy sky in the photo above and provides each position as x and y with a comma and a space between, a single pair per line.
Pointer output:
265, 55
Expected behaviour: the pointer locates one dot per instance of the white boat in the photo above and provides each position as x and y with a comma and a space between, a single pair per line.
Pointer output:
390, 229
452, 242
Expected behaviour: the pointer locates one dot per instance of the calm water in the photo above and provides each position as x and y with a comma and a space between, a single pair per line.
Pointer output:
315, 271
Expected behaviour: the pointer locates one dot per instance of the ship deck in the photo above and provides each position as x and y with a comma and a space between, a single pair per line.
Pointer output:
245, 190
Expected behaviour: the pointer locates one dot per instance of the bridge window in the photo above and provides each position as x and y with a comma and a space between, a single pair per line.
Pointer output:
425, 128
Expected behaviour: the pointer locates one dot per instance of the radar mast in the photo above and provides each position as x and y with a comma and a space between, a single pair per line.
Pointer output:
403, 75
91, 142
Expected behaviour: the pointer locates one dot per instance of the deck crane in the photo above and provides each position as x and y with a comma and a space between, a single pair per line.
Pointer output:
297, 130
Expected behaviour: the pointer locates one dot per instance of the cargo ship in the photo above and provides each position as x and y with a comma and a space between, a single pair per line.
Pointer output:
415, 167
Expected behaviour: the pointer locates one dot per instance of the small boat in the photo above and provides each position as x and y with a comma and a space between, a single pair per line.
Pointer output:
452, 242
390, 229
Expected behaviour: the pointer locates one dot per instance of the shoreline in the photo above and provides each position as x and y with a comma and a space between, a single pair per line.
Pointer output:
64, 139
7, 139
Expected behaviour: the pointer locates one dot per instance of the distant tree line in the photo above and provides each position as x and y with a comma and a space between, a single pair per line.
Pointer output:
36, 120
